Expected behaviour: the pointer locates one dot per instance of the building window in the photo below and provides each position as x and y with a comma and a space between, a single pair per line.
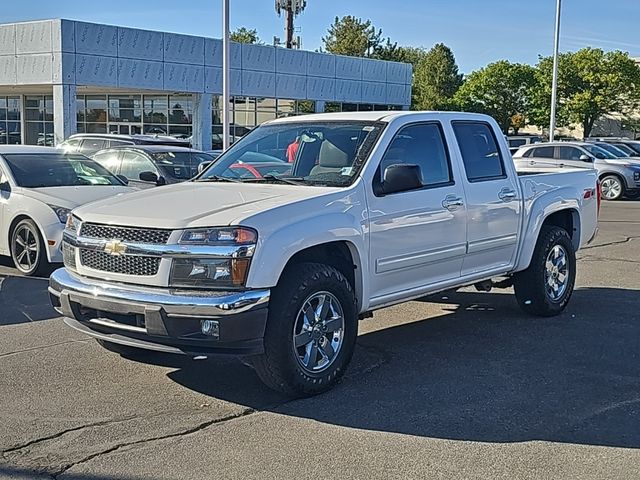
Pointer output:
38, 115
10, 120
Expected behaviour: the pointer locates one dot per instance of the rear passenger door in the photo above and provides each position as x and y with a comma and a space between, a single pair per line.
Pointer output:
493, 200
542, 158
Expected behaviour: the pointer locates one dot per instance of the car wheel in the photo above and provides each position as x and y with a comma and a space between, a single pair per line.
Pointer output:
311, 331
27, 248
544, 289
611, 187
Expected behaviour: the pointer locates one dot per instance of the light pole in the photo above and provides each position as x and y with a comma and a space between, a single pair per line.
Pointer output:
225, 75
554, 82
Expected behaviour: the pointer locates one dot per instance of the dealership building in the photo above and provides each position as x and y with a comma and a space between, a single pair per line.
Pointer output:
59, 77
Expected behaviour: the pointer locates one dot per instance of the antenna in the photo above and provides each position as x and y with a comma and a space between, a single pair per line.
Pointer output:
291, 8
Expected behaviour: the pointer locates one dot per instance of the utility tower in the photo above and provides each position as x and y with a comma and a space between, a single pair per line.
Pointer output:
291, 9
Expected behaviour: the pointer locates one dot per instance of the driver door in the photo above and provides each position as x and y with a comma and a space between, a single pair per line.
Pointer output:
417, 237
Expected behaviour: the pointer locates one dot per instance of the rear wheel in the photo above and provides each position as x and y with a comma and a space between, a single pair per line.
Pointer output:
27, 248
544, 289
611, 187
311, 331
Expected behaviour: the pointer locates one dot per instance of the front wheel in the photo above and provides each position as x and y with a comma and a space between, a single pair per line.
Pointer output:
311, 331
27, 248
611, 187
544, 289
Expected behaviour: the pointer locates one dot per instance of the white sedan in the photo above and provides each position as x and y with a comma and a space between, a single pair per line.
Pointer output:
39, 186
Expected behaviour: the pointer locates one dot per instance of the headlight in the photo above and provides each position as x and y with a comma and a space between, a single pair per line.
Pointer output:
209, 272
61, 212
72, 223
215, 272
220, 236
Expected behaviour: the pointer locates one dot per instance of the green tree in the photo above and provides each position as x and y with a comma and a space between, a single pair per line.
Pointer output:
435, 78
500, 89
591, 83
352, 36
244, 35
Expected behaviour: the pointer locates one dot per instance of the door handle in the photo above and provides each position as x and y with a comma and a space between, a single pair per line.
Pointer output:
451, 202
562, 165
506, 194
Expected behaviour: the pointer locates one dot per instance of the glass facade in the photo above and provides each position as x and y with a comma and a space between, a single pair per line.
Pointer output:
38, 120
131, 114
10, 109
135, 114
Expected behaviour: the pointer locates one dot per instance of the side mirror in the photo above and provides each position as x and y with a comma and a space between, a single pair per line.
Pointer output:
585, 158
148, 177
123, 179
5, 187
400, 178
203, 166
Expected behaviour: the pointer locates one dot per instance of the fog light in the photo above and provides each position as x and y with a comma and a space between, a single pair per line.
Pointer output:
211, 328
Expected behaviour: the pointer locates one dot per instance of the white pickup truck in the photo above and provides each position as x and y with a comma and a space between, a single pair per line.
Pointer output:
378, 208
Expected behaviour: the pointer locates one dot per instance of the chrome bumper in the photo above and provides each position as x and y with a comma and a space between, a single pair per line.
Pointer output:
166, 317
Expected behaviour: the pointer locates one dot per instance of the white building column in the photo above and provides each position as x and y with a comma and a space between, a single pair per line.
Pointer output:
64, 112
202, 121
319, 106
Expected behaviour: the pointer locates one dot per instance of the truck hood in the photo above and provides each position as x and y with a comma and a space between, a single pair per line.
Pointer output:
195, 204
72, 197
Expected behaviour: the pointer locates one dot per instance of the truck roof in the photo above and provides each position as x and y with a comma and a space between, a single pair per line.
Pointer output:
379, 116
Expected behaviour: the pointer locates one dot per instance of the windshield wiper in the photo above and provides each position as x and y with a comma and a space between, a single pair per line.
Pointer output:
289, 180
218, 178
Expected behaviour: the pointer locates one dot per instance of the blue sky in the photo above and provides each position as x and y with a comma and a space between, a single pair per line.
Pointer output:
478, 31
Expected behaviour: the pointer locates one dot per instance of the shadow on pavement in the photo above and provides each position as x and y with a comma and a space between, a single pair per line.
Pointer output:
13, 473
489, 373
24, 300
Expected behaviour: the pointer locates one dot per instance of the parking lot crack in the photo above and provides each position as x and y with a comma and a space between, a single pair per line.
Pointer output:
64, 432
608, 244
189, 431
43, 347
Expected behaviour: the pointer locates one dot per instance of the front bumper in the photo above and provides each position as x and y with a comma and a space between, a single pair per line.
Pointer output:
161, 319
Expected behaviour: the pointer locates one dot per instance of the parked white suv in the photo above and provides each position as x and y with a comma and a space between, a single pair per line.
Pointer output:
379, 208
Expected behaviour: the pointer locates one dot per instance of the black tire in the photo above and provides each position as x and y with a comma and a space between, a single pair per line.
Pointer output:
281, 367
531, 286
612, 187
29, 263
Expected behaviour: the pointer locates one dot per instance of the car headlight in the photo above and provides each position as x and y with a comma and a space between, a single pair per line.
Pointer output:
215, 272
61, 212
72, 223
219, 236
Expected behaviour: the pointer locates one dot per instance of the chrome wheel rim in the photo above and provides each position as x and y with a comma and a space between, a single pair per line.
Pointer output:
556, 273
318, 332
26, 249
611, 188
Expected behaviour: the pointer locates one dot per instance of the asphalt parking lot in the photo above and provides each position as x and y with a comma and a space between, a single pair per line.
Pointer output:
459, 385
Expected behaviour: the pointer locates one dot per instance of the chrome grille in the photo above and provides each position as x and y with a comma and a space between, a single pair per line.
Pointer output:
125, 264
125, 234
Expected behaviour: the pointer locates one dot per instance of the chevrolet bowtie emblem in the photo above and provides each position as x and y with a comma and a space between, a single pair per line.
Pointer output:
115, 247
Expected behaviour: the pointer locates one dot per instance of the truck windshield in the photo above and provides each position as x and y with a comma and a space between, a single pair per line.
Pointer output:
57, 170
320, 153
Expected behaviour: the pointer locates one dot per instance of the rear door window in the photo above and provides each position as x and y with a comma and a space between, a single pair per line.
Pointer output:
480, 153
91, 145
543, 152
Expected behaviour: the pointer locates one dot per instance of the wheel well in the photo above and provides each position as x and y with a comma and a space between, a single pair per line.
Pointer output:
15, 222
569, 220
335, 254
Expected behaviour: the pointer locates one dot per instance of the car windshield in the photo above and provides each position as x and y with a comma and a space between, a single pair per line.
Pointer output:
613, 150
57, 170
181, 165
598, 152
320, 153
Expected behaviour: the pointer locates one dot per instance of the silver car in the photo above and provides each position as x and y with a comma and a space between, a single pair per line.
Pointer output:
618, 176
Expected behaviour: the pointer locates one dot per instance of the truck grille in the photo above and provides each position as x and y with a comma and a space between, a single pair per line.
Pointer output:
125, 234
127, 265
